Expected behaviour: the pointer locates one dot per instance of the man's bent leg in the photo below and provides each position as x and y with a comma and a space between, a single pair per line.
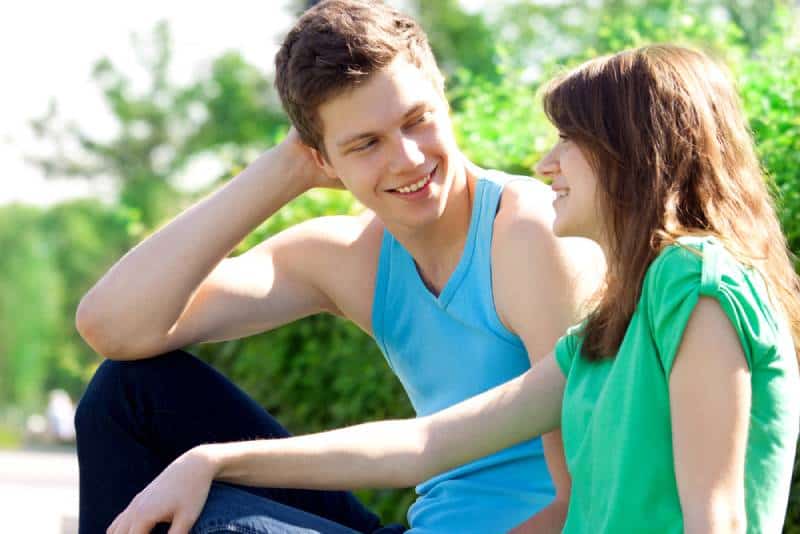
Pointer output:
138, 416
229, 509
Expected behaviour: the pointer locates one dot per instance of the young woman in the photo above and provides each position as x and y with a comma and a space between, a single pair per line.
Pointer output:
678, 396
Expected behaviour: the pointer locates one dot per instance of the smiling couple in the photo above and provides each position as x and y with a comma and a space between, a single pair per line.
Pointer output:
677, 391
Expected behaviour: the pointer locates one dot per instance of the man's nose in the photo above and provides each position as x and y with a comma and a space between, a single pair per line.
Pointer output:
407, 153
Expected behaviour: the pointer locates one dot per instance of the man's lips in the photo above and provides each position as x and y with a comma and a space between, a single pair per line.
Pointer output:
414, 186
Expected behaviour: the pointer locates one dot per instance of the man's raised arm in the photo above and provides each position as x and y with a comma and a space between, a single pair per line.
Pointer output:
177, 288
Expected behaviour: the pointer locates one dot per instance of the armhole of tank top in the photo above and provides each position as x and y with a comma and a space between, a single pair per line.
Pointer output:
379, 299
500, 328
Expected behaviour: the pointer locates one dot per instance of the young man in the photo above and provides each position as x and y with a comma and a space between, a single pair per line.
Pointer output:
454, 273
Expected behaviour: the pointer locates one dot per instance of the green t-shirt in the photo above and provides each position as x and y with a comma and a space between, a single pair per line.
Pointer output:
616, 413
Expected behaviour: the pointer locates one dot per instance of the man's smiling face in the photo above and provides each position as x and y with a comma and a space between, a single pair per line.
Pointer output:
391, 144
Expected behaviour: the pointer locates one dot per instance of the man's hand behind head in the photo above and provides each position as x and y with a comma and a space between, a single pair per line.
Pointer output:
305, 162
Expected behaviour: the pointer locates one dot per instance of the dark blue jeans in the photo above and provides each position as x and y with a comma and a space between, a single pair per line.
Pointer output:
136, 417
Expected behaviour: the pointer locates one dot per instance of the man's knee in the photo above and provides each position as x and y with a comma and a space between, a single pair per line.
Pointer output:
114, 380
230, 509
98, 394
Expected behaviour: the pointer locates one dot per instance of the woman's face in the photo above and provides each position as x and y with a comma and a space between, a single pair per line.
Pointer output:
577, 206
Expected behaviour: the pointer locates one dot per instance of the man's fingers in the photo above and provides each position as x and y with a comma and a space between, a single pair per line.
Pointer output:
115, 526
144, 526
181, 525
147, 520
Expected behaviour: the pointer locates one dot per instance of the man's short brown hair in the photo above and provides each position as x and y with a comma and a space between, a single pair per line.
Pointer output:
337, 45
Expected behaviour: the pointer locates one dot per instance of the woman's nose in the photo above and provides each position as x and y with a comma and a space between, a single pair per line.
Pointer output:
548, 165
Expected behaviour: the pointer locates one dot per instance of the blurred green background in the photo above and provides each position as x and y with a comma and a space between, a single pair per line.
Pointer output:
322, 372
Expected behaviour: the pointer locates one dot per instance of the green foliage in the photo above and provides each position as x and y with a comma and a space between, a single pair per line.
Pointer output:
85, 238
542, 32
10, 437
459, 40
161, 128
500, 125
28, 287
50, 260
238, 106
770, 88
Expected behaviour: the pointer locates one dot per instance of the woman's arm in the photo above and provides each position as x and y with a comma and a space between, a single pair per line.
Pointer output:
381, 454
400, 453
710, 403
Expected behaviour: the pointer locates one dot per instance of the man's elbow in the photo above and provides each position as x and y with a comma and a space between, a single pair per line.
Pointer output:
93, 328
88, 325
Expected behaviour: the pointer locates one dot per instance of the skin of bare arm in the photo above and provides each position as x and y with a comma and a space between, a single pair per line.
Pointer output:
542, 285
177, 287
710, 397
395, 453
401, 453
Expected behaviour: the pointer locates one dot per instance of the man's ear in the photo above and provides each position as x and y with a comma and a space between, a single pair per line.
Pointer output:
322, 163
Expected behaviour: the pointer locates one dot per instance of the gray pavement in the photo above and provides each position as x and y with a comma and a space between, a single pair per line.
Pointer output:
39, 491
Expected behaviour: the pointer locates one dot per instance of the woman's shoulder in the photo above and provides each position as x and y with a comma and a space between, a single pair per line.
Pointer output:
702, 266
686, 252
697, 262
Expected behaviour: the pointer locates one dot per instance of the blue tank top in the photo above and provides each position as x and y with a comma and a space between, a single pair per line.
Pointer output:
446, 349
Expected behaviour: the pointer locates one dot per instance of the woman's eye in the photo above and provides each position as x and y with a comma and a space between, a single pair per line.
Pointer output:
563, 136
422, 118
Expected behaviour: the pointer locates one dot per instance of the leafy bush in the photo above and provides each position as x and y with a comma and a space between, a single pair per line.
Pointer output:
770, 88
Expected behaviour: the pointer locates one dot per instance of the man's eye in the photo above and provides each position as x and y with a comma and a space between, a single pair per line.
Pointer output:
364, 146
562, 136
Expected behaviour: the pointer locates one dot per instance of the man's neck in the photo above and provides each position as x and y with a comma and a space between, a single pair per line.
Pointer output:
437, 248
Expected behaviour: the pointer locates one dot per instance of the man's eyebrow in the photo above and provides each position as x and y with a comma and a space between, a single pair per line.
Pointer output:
364, 135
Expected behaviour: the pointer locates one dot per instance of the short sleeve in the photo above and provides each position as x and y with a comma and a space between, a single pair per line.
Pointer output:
671, 291
744, 298
682, 274
567, 347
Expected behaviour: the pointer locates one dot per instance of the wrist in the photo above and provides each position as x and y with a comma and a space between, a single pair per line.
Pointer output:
211, 456
291, 163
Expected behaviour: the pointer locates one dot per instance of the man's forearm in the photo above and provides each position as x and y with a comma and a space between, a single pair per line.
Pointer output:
144, 293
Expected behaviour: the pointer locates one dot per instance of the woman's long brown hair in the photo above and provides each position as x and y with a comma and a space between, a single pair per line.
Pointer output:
663, 129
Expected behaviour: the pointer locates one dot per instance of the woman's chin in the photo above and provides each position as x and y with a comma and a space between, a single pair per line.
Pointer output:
560, 229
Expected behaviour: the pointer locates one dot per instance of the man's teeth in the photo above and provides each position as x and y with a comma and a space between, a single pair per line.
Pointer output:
561, 194
415, 186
